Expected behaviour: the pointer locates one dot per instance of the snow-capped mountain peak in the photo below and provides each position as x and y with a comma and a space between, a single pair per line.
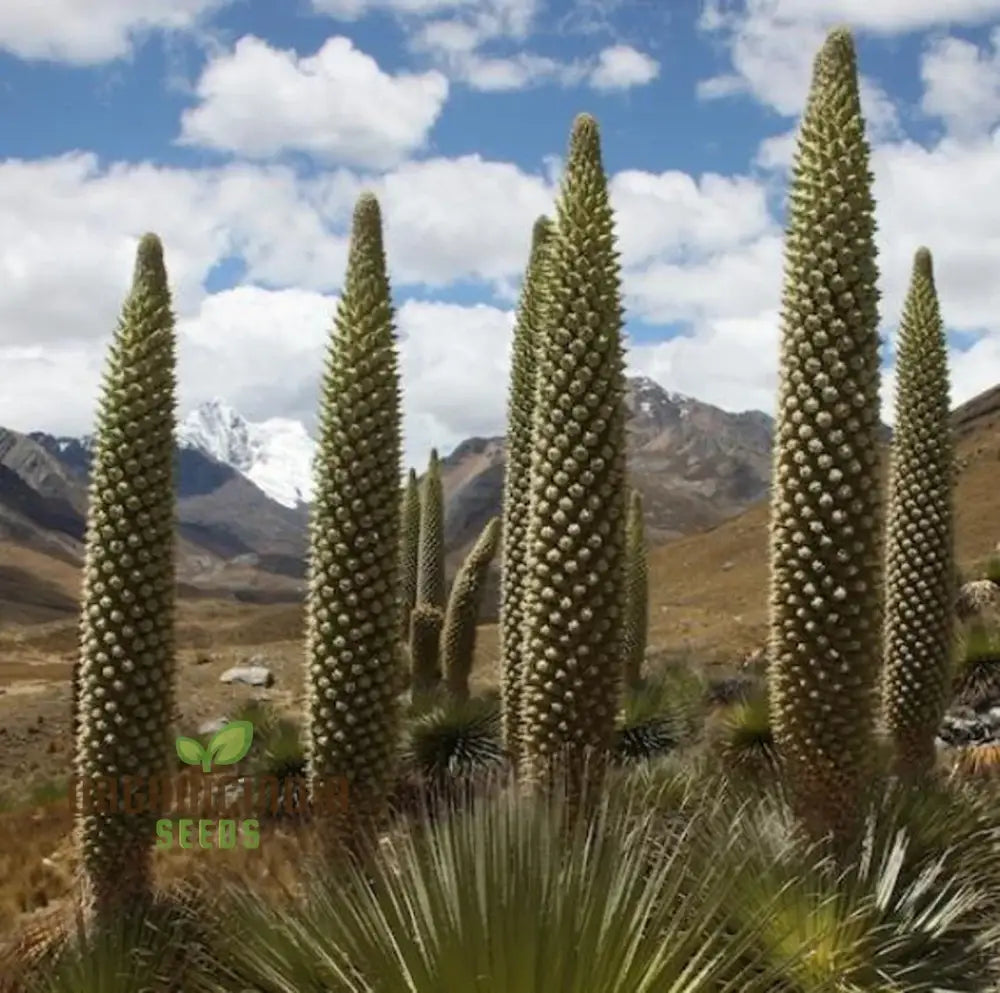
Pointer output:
276, 455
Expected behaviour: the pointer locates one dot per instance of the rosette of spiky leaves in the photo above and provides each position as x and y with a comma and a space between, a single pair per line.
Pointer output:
517, 474
125, 695
825, 544
352, 619
576, 520
664, 713
977, 667
455, 740
490, 899
409, 546
907, 910
430, 549
426, 622
742, 739
458, 640
636, 593
919, 588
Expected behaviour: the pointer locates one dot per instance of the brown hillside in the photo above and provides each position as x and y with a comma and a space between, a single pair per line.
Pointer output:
709, 591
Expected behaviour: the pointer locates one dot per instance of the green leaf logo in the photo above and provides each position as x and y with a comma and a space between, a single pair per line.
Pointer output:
231, 743
191, 752
228, 746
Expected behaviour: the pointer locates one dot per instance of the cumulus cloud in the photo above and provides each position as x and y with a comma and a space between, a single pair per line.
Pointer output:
962, 84
87, 32
621, 67
338, 104
702, 255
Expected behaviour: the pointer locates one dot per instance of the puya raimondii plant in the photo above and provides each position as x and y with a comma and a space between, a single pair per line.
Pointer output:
352, 604
409, 547
636, 623
125, 696
516, 484
574, 587
427, 615
825, 540
430, 547
458, 639
920, 566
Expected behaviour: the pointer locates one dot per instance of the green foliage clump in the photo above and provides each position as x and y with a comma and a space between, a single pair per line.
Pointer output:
528, 330
125, 694
409, 551
920, 595
576, 519
430, 550
458, 642
825, 529
352, 619
455, 740
636, 594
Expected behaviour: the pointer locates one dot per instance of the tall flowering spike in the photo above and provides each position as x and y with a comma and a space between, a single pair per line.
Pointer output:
920, 567
352, 607
125, 672
636, 594
825, 583
458, 639
425, 648
409, 544
516, 491
576, 519
430, 551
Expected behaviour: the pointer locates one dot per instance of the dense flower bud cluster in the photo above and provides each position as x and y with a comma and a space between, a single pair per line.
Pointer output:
576, 523
636, 621
352, 618
920, 573
517, 476
826, 505
125, 691
431, 583
458, 642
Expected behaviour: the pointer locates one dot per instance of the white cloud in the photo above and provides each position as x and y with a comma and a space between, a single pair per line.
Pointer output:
700, 252
353, 10
729, 362
449, 219
962, 84
772, 44
88, 32
621, 67
674, 215
338, 104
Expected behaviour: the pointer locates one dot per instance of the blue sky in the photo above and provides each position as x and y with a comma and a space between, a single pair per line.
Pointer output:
243, 130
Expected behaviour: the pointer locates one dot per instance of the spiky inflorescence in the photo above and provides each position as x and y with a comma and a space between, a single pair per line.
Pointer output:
352, 606
825, 584
430, 550
409, 544
636, 594
458, 642
576, 519
426, 622
516, 490
920, 567
125, 691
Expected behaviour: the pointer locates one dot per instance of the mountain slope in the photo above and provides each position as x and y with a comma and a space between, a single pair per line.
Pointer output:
695, 465
275, 455
709, 590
